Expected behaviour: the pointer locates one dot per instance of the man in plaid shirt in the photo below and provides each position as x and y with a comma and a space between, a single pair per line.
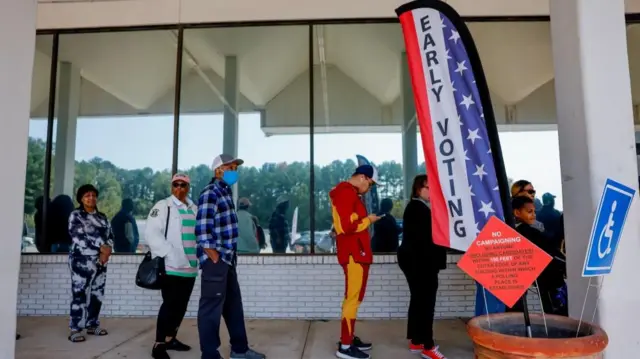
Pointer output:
217, 235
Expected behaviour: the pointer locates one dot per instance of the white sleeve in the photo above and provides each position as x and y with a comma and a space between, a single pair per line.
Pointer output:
154, 231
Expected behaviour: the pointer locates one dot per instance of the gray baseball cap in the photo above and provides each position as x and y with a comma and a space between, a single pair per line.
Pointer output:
225, 159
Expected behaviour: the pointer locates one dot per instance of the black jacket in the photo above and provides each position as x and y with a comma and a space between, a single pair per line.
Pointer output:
553, 275
417, 241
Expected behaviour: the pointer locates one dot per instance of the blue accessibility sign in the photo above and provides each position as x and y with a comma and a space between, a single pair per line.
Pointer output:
607, 228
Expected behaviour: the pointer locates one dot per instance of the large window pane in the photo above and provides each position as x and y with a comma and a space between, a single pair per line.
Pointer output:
358, 112
114, 110
34, 186
245, 92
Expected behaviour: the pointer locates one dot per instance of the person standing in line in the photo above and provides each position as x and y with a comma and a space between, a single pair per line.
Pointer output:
125, 228
279, 230
247, 229
353, 242
92, 243
524, 188
420, 259
217, 236
170, 234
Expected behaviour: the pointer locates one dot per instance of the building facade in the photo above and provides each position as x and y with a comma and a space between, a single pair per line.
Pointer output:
124, 92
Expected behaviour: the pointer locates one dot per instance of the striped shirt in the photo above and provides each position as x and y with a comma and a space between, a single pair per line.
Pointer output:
188, 227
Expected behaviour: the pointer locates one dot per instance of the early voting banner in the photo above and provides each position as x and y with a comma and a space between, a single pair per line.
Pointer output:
467, 182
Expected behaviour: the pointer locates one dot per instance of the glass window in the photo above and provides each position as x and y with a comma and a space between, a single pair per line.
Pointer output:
358, 118
114, 129
245, 92
36, 152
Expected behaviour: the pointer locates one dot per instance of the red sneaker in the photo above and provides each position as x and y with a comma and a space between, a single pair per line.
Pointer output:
433, 353
415, 348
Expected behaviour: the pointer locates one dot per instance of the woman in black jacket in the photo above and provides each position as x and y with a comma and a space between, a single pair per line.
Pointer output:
421, 260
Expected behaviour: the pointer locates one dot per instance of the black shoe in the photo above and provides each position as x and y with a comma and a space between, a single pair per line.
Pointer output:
178, 346
351, 353
361, 345
159, 351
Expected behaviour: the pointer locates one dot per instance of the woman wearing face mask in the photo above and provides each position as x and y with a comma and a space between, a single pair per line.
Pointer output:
170, 233
421, 260
92, 242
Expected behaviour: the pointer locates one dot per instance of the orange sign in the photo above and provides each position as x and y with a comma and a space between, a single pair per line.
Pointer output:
503, 261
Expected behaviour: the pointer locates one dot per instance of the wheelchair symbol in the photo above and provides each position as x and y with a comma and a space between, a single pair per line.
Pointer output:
607, 233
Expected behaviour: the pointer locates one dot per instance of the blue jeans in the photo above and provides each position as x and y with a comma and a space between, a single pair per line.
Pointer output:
220, 298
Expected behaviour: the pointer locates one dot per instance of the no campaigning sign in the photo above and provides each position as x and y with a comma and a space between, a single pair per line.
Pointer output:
503, 261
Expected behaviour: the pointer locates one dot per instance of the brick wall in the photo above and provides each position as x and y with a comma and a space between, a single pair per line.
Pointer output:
309, 287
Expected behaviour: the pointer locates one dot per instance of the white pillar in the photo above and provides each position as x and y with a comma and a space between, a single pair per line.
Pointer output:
230, 115
596, 138
231, 95
65, 146
17, 41
409, 129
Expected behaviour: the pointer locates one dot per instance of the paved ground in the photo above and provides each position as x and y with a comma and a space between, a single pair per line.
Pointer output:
45, 337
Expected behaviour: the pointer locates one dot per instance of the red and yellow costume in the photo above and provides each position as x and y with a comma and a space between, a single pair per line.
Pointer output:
353, 245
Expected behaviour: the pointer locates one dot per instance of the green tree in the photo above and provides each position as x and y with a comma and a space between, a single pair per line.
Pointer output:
34, 180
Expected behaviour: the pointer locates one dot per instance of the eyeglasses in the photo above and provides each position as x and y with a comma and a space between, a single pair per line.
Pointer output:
530, 191
179, 185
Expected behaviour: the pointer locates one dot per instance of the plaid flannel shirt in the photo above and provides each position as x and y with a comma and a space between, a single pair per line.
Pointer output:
217, 222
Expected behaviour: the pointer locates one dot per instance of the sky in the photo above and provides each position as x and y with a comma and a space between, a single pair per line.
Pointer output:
146, 141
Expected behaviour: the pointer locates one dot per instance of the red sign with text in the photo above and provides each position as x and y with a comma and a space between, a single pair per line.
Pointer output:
503, 261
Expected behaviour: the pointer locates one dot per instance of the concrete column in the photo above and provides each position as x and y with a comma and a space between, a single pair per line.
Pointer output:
65, 147
231, 95
596, 137
17, 41
230, 116
409, 129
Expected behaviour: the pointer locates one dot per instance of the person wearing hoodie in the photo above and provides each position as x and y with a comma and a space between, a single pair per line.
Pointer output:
353, 242
279, 231
125, 228
58, 233
247, 229
386, 232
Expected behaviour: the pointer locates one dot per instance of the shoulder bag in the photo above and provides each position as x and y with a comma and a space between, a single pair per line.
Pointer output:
151, 271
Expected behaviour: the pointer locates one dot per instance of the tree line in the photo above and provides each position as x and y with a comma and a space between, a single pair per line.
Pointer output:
263, 185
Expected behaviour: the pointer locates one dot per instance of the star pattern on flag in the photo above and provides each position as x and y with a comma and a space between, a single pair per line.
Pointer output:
473, 136
455, 36
486, 208
467, 101
481, 173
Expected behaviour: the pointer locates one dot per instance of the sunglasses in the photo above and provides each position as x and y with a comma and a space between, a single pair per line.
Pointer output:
179, 185
530, 191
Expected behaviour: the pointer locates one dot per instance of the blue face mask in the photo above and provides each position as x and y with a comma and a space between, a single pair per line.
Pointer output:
230, 177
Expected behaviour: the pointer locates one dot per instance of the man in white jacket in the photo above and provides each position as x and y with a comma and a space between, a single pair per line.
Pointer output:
170, 234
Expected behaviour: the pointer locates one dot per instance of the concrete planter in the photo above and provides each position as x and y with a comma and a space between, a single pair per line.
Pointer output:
507, 340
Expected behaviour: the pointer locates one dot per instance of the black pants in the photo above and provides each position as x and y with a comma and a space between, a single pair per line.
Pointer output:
176, 292
423, 285
220, 297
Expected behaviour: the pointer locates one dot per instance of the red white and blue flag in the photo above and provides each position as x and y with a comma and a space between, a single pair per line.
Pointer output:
456, 122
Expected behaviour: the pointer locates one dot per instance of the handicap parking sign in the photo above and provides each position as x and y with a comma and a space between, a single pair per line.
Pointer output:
607, 228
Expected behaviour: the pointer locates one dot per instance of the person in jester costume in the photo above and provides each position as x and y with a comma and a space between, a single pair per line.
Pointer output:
353, 243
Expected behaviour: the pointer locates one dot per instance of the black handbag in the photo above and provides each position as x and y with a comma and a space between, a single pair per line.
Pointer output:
151, 271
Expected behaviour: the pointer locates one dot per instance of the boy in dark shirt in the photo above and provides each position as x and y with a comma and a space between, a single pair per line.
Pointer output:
551, 280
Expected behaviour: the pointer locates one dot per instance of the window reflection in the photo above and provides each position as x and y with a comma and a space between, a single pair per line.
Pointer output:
245, 93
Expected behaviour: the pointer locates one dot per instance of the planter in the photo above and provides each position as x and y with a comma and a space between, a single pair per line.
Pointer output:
507, 339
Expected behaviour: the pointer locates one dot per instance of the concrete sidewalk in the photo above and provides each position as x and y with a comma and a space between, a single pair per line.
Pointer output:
46, 337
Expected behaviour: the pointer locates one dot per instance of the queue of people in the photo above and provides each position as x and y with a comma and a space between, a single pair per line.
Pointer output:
206, 237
